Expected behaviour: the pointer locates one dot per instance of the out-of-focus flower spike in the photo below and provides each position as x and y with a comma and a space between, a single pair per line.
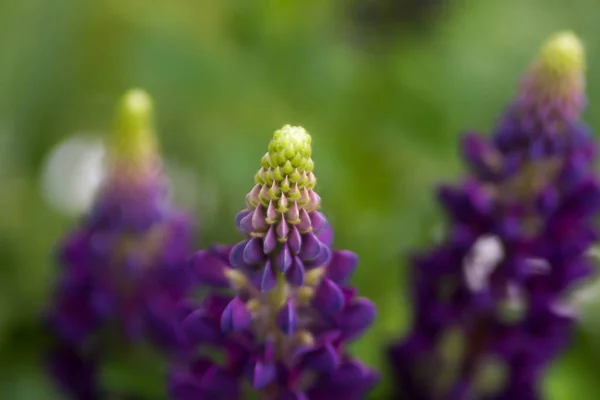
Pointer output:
134, 140
505, 280
557, 75
126, 268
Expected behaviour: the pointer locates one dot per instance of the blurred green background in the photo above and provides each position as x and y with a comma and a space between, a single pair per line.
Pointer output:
384, 109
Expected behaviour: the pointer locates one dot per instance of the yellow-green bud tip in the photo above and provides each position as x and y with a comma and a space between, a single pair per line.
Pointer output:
290, 147
563, 54
133, 138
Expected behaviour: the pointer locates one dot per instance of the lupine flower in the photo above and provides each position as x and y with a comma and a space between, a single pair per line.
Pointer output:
282, 332
491, 300
124, 268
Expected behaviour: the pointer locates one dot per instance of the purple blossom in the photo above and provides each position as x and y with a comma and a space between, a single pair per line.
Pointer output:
490, 298
281, 312
124, 268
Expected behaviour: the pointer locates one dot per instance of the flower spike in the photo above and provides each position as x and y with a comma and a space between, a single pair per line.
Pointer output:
290, 313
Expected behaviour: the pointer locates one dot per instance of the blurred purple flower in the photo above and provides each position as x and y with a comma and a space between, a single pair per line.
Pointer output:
284, 330
488, 299
124, 268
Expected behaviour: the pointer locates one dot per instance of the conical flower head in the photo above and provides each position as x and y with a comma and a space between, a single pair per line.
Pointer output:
519, 228
134, 189
284, 184
549, 102
124, 268
133, 141
557, 74
290, 301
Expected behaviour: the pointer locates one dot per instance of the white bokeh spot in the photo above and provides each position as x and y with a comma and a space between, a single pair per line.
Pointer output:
482, 260
72, 173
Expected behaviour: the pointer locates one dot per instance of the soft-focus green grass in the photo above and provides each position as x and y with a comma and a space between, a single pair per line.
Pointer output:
384, 116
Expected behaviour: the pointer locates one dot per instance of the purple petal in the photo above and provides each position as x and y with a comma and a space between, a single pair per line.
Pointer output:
322, 259
326, 235
329, 298
246, 224
287, 319
269, 278
479, 199
271, 213
74, 374
219, 383
209, 269
264, 373
238, 219
310, 247
356, 318
282, 229
342, 266
295, 274
199, 327
236, 316
304, 225
253, 252
480, 154
236, 257
548, 200
214, 305
293, 215
258, 219
322, 359
294, 240
270, 242
317, 221
283, 259
182, 386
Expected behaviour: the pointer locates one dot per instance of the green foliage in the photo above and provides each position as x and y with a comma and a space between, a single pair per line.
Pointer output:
384, 116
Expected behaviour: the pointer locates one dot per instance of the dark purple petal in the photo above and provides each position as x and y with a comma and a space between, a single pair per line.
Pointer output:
329, 298
356, 318
317, 221
311, 246
322, 359
304, 225
270, 241
341, 266
321, 260
209, 269
236, 257
182, 386
295, 274
326, 235
75, 375
246, 224
218, 383
283, 259
200, 327
264, 373
287, 319
294, 240
238, 219
548, 200
236, 316
269, 277
253, 252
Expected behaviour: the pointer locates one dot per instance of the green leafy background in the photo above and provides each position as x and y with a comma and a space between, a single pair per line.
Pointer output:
385, 112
